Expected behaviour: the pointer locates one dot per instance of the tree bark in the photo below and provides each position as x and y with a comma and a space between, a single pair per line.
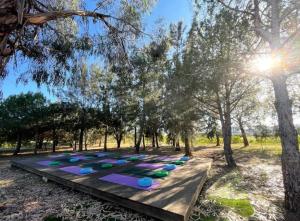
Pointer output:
290, 158
37, 140
119, 138
135, 136
156, 140
218, 138
54, 140
144, 145
153, 141
85, 140
81, 133
245, 140
139, 139
187, 148
100, 142
177, 143
19, 143
105, 138
225, 118
226, 130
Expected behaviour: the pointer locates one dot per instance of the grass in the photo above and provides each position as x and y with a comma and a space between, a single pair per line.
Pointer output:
52, 218
240, 206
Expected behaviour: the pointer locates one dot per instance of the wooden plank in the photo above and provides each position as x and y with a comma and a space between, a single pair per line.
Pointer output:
172, 201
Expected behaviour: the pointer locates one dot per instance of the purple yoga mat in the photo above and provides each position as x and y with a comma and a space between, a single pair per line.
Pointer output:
127, 181
101, 154
57, 155
45, 162
150, 165
108, 161
74, 170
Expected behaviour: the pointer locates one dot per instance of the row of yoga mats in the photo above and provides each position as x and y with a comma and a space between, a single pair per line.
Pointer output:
141, 176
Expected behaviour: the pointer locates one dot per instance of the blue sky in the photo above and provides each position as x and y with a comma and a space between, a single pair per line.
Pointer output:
171, 11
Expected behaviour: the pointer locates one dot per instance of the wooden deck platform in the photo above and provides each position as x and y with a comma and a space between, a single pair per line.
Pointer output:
172, 201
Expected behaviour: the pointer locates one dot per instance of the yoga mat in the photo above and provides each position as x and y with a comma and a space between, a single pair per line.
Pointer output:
138, 172
166, 158
113, 161
150, 165
130, 155
46, 163
57, 155
74, 170
101, 154
127, 181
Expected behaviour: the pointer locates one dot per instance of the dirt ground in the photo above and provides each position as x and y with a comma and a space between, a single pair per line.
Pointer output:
257, 180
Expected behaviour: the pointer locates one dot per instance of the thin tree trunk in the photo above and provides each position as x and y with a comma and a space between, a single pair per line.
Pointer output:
153, 141
81, 133
225, 119
290, 158
187, 148
226, 130
41, 141
141, 132
119, 140
177, 143
173, 142
218, 138
156, 140
105, 138
100, 142
85, 140
134, 136
54, 140
139, 139
245, 140
37, 140
144, 145
19, 143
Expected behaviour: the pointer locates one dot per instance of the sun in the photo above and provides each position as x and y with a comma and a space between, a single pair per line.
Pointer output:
266, 62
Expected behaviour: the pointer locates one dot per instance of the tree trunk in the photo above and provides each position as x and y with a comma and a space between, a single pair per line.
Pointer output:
156, 140
290, 158
177, 143
37, 141
218, 138
100, 142
144, 145
85, 140
173, 142
245, 140
119, 138
139, 139
54, 140
105, 138
187, 148
153, 141
41, 141
81, 133
19, 143
134, 136
226, 130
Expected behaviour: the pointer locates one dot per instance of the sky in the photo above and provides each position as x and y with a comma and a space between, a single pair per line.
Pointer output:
171, 11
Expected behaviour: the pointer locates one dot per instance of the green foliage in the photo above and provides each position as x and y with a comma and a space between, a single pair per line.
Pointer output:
240, 206
53, 218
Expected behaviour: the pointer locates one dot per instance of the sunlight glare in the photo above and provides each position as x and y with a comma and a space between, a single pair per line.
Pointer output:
267, 62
